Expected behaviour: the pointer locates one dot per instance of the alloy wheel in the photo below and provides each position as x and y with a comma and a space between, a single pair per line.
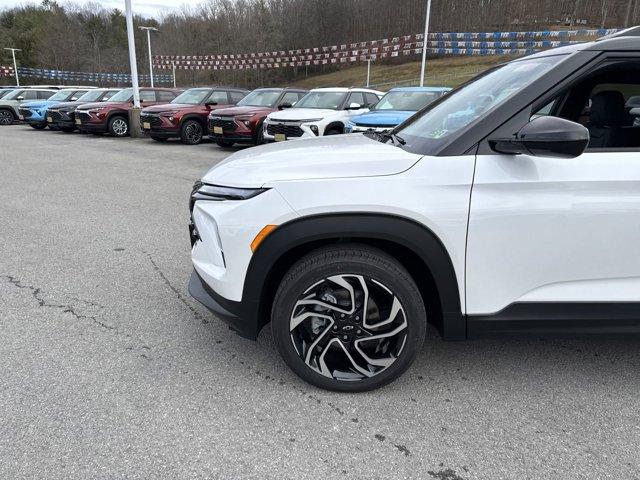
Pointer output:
348, 327
5, 117
193, 133
120, 127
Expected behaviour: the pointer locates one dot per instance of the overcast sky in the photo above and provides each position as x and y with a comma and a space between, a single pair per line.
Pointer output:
150, 8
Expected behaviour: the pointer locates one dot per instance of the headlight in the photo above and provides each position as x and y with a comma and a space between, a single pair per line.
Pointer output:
168, 113
311, 120
95, 110
245, 119
203, 191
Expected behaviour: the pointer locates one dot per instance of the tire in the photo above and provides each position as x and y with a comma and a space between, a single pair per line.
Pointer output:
333, 131
224, 143
191, 132
314, 346
6, 116
38, 126
259, 138
159, 139
119, 126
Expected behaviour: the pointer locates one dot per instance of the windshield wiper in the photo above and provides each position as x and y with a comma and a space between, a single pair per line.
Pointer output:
397, 140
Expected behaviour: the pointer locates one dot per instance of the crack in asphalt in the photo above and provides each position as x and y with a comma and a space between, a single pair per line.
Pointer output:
281, 382
36, 293
175, 290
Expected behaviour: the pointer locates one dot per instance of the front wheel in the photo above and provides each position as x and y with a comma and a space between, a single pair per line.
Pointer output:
38, 126
6, 117
348, 318
191, 132
119, 126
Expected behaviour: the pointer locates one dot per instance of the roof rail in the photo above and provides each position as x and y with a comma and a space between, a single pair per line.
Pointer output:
627, 32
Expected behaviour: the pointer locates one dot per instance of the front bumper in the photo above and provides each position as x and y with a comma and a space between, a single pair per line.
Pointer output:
155, 125
56, 118
32, 117
89, 122
229, 129
221, 234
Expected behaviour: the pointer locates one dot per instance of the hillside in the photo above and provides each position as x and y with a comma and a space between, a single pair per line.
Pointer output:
448, 72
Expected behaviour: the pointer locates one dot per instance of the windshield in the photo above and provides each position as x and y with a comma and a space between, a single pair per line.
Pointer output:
91, 96
463, 106
14, 94
260, 98
61, 95
406, 101
5, 91
123, 95
329, 100
193, 96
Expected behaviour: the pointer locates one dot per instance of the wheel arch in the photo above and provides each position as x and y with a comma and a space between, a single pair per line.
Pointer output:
412, 244
335, 124
196, 117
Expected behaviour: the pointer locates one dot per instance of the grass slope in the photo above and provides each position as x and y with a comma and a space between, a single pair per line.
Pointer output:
447, 72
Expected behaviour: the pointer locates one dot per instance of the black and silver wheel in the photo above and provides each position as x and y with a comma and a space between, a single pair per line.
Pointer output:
118, 126
6, 117
259, 137
191, 132
348, 319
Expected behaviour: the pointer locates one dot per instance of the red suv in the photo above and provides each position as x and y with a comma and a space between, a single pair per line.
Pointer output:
113, 116
243, 123
186, 116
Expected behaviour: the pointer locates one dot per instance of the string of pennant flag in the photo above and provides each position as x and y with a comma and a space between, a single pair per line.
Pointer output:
461, 43
457, 43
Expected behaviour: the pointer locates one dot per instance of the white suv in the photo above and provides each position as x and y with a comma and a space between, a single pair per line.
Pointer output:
511, 204
323, 111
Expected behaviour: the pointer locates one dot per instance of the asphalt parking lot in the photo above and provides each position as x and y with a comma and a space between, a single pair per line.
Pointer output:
110, 370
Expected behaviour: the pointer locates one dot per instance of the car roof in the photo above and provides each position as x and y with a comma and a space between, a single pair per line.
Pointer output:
279, 89
346, 89
420, 89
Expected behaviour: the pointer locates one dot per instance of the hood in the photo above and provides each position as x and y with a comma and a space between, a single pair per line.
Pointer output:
122, 105
65, 105
248, 110
38, 104
169, 106
339, 156
386, 118
292, 114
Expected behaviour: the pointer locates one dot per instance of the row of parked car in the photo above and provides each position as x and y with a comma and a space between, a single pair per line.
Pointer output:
228, 115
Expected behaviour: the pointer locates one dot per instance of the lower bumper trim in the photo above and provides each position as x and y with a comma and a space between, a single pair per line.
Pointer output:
232, 313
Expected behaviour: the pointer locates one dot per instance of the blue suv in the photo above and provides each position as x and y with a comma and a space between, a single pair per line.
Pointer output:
394, 108
35, 113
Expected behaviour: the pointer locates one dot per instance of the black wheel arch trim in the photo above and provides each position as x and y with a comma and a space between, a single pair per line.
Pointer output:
271, 258
198, 118
332, 125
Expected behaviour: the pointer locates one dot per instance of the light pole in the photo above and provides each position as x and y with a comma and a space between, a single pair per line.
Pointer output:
425, 44
15, 66
173, 68
368, 71
149, 29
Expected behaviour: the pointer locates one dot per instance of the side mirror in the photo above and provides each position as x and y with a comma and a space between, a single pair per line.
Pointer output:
20, 97
354, 106
282, 106
545, 137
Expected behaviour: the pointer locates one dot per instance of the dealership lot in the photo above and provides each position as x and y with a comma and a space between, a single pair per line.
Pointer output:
111, 370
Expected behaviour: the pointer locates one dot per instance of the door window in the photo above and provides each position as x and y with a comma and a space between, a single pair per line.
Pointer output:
290, 98
356, 97
372, 99
164, 96
147, 95
236, 96
219, 97
76, 95
605, 103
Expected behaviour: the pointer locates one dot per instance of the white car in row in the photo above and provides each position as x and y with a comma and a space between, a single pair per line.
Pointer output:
506, 206
322, 111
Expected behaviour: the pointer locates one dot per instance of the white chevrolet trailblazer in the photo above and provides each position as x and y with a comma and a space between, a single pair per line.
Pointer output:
323, 111
511, 204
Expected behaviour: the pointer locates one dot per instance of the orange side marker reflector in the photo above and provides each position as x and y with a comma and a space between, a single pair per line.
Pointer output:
262, 234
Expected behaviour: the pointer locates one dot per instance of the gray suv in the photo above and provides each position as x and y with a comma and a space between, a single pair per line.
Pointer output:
10, 102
